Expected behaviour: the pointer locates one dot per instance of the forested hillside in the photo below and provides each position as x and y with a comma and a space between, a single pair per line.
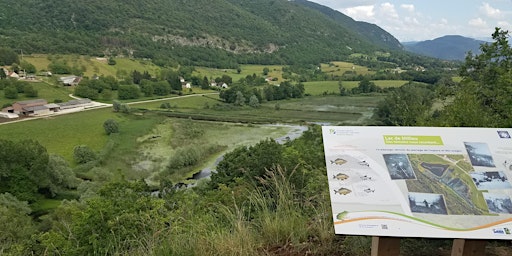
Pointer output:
212, 33
370, 32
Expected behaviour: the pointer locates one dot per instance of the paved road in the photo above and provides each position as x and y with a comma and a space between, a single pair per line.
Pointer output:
177, 97
97, 105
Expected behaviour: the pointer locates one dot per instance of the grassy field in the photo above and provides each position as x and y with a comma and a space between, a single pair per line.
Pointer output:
332, 87
212, 73
93, 65
338, 68
125, 66
45, 91
60, 134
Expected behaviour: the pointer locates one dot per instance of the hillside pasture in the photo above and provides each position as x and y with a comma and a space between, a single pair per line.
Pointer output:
95, 65
338, 68
332, 87
212, 73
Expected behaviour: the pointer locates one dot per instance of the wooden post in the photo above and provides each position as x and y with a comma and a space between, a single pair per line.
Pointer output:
463, 247
385, 246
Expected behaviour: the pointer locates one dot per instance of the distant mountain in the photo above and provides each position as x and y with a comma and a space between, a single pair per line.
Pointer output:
452, 47
371, 32
191, 32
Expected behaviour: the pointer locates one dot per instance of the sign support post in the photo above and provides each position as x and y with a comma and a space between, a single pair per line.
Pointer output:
463, 247
385, 246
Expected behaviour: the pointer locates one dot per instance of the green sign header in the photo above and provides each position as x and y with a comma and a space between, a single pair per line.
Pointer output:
413, 140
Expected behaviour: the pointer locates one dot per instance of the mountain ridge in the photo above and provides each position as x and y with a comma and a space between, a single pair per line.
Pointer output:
448, 47
214, 32
372, 32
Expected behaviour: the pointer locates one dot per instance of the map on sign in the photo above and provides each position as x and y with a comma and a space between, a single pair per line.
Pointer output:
420, 181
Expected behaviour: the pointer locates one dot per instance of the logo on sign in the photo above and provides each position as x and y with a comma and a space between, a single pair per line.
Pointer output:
504, 134
498, 231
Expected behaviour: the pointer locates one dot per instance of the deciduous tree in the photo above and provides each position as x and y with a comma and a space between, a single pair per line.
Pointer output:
16, 226
408, 105
23, 168
484, 96
83, 154
111, 126
11, 92
8, 57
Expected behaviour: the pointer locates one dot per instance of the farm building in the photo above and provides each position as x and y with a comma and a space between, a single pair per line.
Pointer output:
17, 107
36, 111
8, 115
70, 80
81, 103
32, 108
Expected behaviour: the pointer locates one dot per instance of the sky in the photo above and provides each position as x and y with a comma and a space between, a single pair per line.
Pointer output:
418, 20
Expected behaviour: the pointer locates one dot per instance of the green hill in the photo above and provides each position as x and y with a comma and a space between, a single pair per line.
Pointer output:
370, 32
219, 33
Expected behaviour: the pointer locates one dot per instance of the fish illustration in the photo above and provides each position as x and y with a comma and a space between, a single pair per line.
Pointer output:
369, 190
364, 163
366, 177
340, 176
342, 191
338, 161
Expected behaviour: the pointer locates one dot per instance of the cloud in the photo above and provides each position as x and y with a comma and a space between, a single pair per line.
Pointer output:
505, 25
388, 9
365, 12
478, 23
491, 12
408, 7
412, 21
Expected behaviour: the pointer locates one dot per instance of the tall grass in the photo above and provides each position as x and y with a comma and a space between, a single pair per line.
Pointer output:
273, 221
280, 218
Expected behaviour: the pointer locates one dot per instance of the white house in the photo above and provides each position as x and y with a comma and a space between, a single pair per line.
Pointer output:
70, 80
14, 75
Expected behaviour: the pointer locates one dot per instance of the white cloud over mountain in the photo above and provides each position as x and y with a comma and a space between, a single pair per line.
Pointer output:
411, 20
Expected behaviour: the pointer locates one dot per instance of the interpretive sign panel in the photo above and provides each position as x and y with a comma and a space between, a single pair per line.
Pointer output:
420, 181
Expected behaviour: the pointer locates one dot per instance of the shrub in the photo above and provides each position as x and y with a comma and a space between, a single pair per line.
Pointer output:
116, 105
111, 126
11, 92
83, 154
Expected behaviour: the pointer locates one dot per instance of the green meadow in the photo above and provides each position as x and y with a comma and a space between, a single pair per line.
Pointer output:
95, 66
124, 66
332, 87
245, 70
338, 68
45, 90
60, 134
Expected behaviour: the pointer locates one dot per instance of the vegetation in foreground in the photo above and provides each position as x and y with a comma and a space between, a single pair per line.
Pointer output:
267, 198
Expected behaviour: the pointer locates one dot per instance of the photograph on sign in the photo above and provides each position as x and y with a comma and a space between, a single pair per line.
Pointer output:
394, 181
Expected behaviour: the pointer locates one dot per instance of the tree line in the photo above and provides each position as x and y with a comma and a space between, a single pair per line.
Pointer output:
481, 99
